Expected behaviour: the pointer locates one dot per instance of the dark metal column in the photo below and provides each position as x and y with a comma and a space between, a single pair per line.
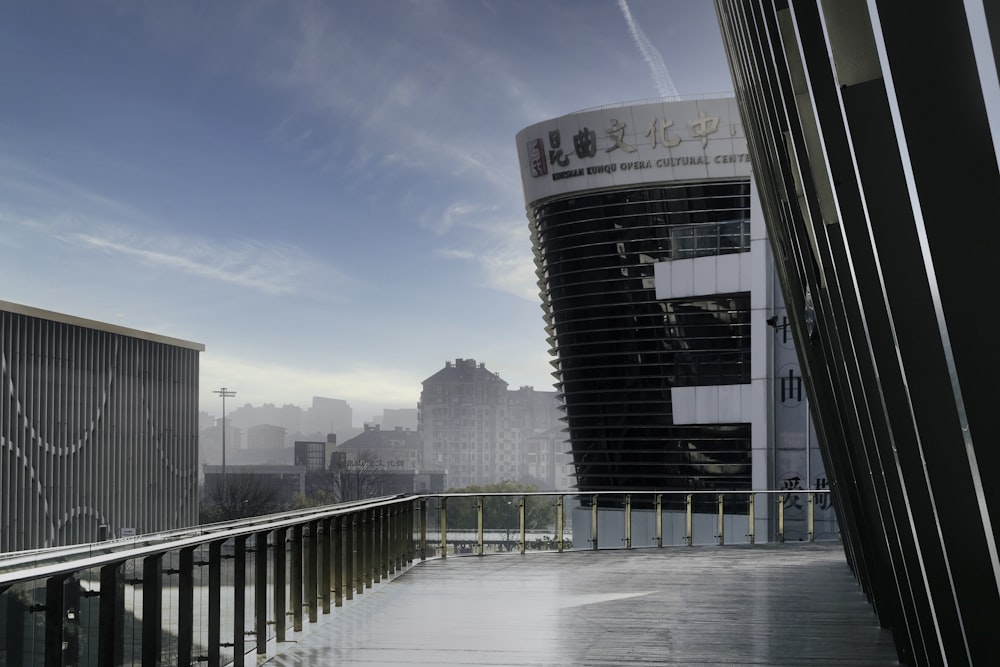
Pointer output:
312, 560
325, 562
260, 591
15, 630
152, 620
185, 606
214, 604
239, 599
110, 644
336, 524
350, 530
360, 542
295, 590
279, 584
54, 621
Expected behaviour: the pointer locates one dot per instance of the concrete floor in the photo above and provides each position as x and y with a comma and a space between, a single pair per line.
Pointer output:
791, 604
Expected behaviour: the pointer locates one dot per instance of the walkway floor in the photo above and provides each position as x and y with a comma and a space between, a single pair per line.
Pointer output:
785, 604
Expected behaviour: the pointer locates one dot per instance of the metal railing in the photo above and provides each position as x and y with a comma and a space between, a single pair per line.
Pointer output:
215, 594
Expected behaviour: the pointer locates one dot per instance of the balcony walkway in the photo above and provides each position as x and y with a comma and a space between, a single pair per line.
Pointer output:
791, 604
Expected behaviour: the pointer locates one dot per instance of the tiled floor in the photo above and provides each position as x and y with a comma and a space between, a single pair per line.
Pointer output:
792, 604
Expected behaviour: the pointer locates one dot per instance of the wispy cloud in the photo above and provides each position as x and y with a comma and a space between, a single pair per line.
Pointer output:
267, 269
661, 76
500, 247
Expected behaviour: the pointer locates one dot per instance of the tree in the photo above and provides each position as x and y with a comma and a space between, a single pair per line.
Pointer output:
241, 495
347, 479
501, 512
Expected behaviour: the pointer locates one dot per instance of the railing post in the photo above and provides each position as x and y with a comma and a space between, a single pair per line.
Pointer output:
750, 517
423, 529
110, 639
628, 521
688, 522
295, 591
659, 520
260, 591
781, 517
560, 521
185, 605
338, 561
325, 562
443, 521
593, 521
811, 517
348, 523
54, 617
14, 629
360, 546
214, 604
312, 562
389, 541
239, 598
722, 525
152, 609
371, 550
278, 590
521, 522
376, 534
479, 526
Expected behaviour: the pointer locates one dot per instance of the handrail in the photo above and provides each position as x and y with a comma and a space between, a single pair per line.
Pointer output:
303, 561
52, 561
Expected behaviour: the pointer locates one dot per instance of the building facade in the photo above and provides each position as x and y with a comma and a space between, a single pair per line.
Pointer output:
668, 335
477, 430
873, 128
98, 430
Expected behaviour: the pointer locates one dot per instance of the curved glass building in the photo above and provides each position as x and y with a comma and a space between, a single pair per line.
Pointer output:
640, 223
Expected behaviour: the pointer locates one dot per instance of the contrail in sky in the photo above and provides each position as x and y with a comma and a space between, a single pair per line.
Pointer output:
664, 84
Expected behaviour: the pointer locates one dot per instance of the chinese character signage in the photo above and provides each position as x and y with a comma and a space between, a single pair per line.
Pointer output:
626, 145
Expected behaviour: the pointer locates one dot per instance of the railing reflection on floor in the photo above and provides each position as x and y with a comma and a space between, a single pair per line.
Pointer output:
215, 594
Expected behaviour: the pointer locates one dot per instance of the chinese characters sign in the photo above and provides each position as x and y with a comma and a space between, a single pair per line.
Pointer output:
642, 143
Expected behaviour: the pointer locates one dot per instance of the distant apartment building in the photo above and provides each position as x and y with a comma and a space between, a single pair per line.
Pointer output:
266, 436
98, 430
210, 443
476, 429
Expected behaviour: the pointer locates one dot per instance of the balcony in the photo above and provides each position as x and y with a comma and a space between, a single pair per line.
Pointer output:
383, 582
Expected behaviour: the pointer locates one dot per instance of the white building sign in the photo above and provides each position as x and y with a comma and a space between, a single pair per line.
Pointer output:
625, 145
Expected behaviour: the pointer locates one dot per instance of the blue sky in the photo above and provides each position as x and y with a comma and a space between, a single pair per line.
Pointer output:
325, 194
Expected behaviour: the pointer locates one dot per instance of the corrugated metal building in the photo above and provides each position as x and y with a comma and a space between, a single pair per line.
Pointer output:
98, 428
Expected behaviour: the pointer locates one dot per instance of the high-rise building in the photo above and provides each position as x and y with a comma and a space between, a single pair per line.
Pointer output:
873, 128
475, 429
98, 430
667, 331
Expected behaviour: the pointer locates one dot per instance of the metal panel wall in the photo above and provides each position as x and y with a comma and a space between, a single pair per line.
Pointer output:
875, 159
96, 428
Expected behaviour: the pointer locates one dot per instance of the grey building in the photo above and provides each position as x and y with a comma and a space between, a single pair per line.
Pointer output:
98, 427
873, 130
476, 429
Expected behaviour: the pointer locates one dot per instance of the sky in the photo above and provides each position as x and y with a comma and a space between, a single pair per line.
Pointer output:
324, 194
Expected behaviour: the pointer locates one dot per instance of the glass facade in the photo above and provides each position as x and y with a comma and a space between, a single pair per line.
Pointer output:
619, 350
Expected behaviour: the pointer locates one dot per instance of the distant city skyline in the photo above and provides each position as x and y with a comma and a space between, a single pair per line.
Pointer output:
326, 195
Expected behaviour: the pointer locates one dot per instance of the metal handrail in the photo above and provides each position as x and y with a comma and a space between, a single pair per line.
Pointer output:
304, 561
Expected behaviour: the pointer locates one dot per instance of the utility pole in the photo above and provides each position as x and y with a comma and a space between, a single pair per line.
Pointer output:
224, 393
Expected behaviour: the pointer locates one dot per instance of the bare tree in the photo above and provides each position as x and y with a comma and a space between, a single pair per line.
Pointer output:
242, 495
363, 476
